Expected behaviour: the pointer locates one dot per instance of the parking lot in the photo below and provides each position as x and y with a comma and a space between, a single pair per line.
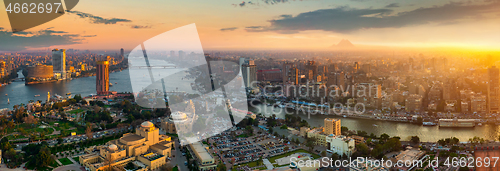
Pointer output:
235, 151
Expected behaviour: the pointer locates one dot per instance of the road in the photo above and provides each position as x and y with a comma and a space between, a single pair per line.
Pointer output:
178, 159
71, 167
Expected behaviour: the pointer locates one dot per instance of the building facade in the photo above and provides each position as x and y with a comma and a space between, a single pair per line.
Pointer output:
493, 90
332, 126
249, 72
102, 77
146, 148
59, 62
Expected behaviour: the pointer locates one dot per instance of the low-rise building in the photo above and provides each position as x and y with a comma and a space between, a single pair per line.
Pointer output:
204, 160
318, 135
145, 147
410, 154
340, 144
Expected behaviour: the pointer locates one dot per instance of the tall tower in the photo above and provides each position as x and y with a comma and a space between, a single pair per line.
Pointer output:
332, 126
249, 72
102, 77
290, 73
122, 54
48, 97
356, 67
59, 62
493, 90
311, 70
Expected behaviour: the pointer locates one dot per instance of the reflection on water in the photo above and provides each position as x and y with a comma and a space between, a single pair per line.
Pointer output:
18, 93
403, 130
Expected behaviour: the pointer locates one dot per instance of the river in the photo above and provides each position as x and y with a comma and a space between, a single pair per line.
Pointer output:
403, 130
19, 93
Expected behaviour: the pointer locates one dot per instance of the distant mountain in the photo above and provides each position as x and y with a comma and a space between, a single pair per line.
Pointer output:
344, 43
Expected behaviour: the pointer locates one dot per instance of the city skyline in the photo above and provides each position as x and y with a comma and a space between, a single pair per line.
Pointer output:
271, 25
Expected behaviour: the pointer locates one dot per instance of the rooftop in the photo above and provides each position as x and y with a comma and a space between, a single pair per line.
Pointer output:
132, 137
201, 151
158, 146
152, 156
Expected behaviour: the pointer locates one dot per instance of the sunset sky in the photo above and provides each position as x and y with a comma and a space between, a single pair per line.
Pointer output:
267, 24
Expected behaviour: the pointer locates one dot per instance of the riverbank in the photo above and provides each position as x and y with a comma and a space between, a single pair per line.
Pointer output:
393, 128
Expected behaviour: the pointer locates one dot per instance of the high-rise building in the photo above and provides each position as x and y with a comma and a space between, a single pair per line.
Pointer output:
269, 75
332, 126
249, 72
478, 103
290, 74
356, 67
182, 54
311, 70
102, 77
493, 90
450, 90
172, 53
336, 78
3, 69
122, 54
59, 62
413, 103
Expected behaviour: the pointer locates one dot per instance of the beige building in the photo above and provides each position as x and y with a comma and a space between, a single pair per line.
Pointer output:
332, 126
478, 103
413, 103
146, 147
303, 131
177, 122
317, 134
204, 160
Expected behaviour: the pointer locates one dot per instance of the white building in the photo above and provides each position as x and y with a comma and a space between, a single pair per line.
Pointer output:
340, 144
248, 71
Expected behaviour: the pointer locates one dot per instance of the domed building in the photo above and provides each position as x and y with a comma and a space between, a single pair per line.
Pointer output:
146, 147
177, 122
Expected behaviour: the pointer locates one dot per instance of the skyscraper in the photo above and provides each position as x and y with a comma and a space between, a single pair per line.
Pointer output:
311, 70
332, 126
356, 67
3, 69
182, 54
102, 77
290, 74
493, 90
122, 54
249, 72
59, 62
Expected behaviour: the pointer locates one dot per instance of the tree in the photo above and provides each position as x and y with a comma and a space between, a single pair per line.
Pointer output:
165, 167
415, 139
362, 149
344, 130
442, 142
323, 154
88, 131
249, 130
384, 137
310, 143
221, 167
